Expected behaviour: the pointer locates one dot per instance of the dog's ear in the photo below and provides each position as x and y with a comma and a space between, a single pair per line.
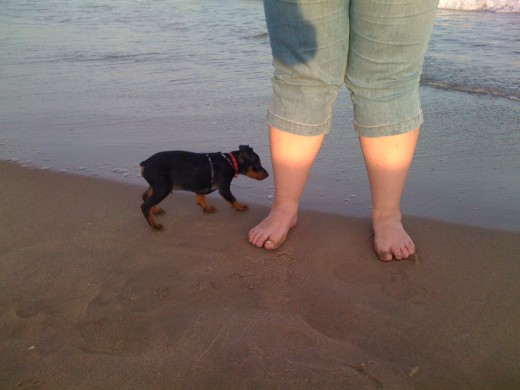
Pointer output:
244, 153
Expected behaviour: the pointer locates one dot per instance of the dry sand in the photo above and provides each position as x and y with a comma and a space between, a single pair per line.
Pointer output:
91, 298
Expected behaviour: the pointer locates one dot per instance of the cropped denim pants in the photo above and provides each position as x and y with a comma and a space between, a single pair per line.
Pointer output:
375, 47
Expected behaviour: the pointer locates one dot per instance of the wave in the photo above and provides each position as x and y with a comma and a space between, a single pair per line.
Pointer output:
471, 89
502, 6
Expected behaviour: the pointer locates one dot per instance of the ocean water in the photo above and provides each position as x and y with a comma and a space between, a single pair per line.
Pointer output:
94, 87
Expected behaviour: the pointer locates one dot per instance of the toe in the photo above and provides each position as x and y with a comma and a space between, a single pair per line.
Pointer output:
256, 238
411, 248
384, 256
270, 245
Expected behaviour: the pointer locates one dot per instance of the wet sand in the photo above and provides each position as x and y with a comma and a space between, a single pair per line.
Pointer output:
91, 298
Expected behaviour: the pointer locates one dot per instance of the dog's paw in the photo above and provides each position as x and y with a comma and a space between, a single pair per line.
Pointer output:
240, 206
157, 227
209, 209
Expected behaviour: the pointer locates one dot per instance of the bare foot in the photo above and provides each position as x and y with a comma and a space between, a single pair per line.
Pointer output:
391, 240
272, 231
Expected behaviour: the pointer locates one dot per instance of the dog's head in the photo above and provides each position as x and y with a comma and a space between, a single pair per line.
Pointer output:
249, 163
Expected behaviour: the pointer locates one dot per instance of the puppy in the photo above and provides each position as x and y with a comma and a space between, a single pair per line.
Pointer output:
201, 173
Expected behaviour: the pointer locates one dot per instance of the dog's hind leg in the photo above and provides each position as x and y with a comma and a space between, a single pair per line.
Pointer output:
155, 210
147, 194
149, 206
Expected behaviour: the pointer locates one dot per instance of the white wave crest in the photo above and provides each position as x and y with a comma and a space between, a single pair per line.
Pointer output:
506, 6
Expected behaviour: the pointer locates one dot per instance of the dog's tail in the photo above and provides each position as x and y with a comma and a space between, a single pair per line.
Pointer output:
142, 164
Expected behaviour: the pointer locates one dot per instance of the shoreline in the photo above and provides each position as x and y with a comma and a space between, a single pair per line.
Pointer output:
313, 197
467, 176
91, 298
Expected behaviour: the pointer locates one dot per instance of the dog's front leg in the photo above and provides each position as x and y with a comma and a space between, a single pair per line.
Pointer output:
202, 202
226, 194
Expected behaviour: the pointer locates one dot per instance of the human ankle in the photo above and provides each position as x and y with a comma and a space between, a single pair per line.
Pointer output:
286, 208
381, 215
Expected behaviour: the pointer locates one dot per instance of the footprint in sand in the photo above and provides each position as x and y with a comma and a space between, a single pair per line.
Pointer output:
31, 383
400, 288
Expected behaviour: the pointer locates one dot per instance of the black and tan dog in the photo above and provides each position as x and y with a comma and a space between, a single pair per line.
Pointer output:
201, 173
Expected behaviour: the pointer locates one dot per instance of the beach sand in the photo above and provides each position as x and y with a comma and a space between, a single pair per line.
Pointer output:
91, 298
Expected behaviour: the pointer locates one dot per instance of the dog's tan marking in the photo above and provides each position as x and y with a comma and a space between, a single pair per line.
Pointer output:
157, 210
239, 206
202, 202
147, 194
155, 226
255, 175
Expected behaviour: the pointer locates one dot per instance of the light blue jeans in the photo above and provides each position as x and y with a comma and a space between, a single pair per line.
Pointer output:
375, 47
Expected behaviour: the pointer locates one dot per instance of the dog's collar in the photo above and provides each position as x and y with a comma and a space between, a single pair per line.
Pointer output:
212, 171
230, 158
232, 161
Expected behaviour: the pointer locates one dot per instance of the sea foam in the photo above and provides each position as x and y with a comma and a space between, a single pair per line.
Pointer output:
505, 6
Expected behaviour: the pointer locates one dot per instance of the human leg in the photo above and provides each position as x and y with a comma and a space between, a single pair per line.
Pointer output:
309, 70
388, 42
388, 160
309, 44
292, 157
